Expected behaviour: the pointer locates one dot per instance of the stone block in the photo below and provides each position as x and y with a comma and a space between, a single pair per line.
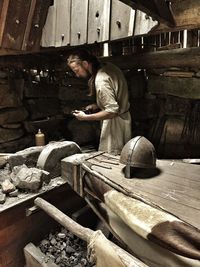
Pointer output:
9, 97
7, 135
41, 90
42, 108
51, 156
13, 115
16, 145
7, 186
27, 178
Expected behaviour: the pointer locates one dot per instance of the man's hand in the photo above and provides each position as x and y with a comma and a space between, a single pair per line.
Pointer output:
80, 115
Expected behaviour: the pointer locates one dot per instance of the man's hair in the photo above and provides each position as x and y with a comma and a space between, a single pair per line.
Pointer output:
80, 55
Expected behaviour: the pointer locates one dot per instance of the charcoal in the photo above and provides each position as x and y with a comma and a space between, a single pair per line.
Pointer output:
65, 249
61, 235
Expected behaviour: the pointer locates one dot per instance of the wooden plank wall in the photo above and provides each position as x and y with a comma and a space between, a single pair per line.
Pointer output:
93, 21
21, 23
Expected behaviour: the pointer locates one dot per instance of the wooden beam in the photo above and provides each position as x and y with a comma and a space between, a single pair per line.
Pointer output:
184, 57
28, 27
186, 14
163, 9
4, 9
151, 9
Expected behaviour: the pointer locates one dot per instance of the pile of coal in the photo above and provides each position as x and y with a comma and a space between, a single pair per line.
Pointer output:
65, 249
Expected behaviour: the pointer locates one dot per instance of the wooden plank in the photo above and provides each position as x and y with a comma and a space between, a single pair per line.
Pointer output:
28, 27
184, 74
4, 9
49, 29
122, 23
35, 258
79, 26
143, 23
99, 21
15, 25
63, 19
173, 187
38, 21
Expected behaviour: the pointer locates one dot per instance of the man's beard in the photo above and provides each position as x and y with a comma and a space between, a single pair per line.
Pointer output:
88, 75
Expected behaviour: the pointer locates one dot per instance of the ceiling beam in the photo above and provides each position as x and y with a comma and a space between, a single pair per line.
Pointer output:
157, 9
184, 57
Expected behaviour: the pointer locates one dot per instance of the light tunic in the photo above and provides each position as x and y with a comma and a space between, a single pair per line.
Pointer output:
112, 96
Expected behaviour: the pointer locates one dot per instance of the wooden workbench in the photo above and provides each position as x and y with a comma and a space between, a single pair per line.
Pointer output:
161, 206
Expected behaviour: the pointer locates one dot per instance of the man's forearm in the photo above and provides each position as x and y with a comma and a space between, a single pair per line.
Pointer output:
101, 115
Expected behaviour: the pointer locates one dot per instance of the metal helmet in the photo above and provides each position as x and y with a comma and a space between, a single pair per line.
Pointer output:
139, 152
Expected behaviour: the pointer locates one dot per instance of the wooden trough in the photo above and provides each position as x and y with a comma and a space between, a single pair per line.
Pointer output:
34, 257
21, 222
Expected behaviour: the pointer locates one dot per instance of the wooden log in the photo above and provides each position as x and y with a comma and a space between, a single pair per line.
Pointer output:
176, 86
185, 57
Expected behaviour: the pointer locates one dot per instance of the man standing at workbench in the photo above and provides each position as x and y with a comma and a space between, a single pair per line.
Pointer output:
108, 84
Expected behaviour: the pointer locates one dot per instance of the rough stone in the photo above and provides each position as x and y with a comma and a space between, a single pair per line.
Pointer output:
7, 135
28, 156
2, 197
7, 186
40, 90
9, 97
14, 193
27, 178
13, 115
3, 74
3, 160
16, 145
42, 108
